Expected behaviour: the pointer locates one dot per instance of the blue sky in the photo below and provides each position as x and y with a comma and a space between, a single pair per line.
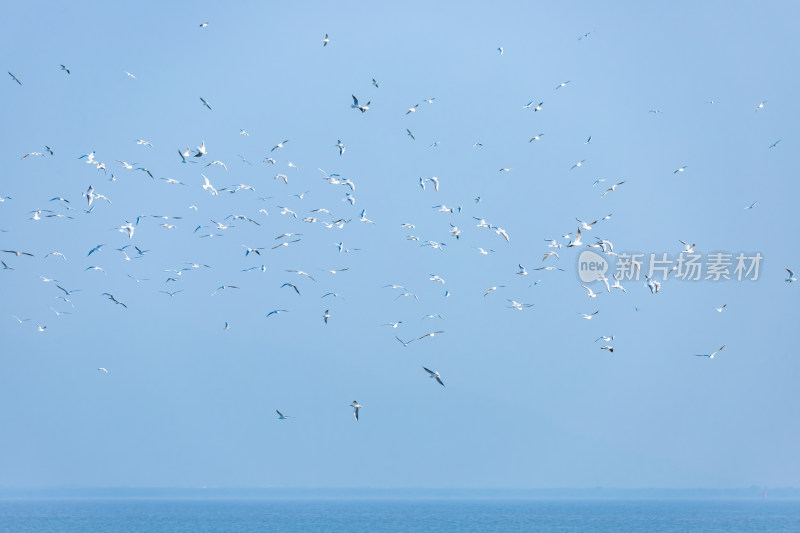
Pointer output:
531, 400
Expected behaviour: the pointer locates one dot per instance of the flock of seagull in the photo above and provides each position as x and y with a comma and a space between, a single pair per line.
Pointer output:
65, 209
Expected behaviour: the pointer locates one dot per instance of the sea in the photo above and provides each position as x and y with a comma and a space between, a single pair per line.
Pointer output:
390, 513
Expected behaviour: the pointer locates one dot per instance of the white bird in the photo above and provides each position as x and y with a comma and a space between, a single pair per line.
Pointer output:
363, 108
15, 78
220, 163
562, 84
205, 103
103, 370
758, 107
434, 375
609, 348
710, 355
130, 75
577, 241
144, 143
604, 338
578, 164
591, 293
683, 168
589, 316
536, 137
201, 150
751, 206
356, 407
688, 249
281, 416
208, 187
325, 41
719, 309
613, 187
791, 277
500, 49
408, 131
340, 146
490, 289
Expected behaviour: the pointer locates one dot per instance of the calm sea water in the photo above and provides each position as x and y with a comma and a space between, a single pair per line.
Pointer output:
374, 516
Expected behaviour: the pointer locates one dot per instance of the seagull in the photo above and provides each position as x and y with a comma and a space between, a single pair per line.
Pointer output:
584, 36
356, 407
15, 78
205, 103
589, 140
522, 271
591, 294
326, 40
773, 145
589, 316
562, 84
16, 253
30, 154
490, 289
411, 134
577, 241
144, 143
276, 311
604, 338
609, 348
111, 297
610, 189
393, 324
519, 306
95, 249
652, 284
431, 334
279, 145
538, 107
751, 206
375, 82
171, 294
500, 49
130, 75
405, 344
578, 164
719, 309
536, 137
758, 107
204, 25
281, 416
434, 375
220, 163
39, 326
791, 277
340, 146
222, 288
688, 249
201, 150
326, 316
207, 186
548, 254
412, 109
711, 355
103, 370
356, 105
680, 169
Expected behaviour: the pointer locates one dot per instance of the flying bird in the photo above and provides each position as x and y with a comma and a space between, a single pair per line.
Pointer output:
712, 354
434, 375
356, 105
325, 41
613, 187
356, 407
205, 103
15, 78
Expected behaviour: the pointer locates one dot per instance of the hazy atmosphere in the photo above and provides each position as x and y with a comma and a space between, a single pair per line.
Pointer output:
215, 226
